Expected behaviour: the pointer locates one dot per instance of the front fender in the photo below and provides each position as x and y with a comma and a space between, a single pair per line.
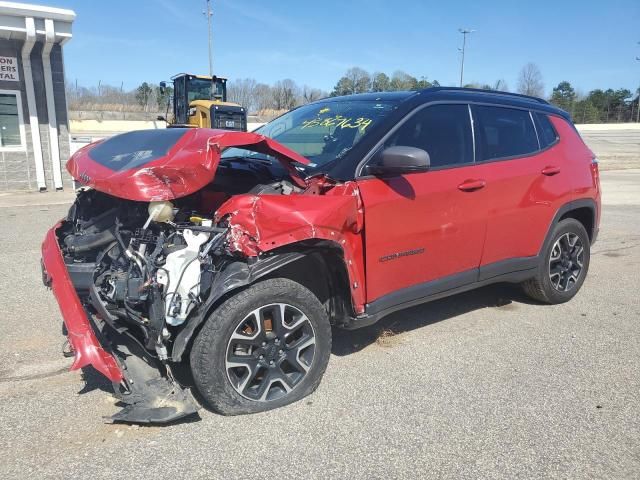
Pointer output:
261, 223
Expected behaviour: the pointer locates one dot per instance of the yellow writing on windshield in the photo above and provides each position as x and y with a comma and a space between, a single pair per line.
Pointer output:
339, 121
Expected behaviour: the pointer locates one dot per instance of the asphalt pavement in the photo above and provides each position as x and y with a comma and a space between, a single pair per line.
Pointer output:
485, 384
617, 149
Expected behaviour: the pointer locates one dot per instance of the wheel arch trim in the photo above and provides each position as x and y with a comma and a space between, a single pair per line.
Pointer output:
566, 208
239, 275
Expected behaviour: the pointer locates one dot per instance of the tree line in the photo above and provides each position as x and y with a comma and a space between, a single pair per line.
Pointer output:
596, 106
358, 80
148, 97
262, 98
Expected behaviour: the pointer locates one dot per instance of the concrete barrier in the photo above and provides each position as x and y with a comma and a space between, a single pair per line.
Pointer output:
590, 127
84, 132
111, 127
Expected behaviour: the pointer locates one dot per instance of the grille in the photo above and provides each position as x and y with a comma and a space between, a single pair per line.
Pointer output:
230, 120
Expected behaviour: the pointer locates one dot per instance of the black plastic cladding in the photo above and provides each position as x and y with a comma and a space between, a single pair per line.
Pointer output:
406, 101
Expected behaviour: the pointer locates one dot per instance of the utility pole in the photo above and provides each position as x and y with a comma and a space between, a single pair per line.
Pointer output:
638, 112
209, 13
464, 32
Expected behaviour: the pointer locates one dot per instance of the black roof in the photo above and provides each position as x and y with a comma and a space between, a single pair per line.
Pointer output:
457, 94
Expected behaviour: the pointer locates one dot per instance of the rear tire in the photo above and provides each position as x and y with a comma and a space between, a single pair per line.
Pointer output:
564, 263
265, 347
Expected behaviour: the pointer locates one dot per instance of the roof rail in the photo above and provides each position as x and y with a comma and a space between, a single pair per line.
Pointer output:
492, 92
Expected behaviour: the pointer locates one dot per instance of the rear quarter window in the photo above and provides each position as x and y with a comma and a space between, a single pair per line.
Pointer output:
504, 132
546, 133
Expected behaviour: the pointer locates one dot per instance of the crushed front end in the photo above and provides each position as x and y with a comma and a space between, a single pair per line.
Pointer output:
126, 279
163, 230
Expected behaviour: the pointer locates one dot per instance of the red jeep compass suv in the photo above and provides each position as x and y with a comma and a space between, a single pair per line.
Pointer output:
216, 260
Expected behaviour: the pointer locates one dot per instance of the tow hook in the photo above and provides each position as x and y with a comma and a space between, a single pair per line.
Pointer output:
67, 351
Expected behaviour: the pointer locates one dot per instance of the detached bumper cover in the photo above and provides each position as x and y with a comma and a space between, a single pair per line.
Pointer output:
86, 347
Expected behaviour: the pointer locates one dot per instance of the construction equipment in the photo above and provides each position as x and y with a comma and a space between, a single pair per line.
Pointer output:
201, 101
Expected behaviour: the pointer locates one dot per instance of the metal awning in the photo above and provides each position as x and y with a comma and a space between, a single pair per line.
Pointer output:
13, 25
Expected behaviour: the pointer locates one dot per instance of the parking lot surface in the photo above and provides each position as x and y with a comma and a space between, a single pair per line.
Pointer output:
617, 149
485, 384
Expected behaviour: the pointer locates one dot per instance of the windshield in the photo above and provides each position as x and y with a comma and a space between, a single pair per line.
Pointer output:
203, 89
321, 132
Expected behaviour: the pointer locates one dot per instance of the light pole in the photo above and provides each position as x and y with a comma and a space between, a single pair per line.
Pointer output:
209, 13
464, 32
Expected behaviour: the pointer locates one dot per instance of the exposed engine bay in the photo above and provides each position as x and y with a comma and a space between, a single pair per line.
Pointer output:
142, 268
148, 265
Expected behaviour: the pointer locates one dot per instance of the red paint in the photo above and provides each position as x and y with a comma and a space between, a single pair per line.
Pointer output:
523, 200
186, 168
422, 211
470, 216
584, 182
326, 211
85, 345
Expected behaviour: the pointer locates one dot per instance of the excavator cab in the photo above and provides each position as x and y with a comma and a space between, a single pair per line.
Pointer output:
201, 101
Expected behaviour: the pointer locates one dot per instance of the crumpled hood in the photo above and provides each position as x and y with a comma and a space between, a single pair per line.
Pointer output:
152, 165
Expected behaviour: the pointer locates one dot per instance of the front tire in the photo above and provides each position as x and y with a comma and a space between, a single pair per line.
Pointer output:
564, 263
266, 347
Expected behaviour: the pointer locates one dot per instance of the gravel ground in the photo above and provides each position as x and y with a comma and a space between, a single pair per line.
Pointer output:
480, 385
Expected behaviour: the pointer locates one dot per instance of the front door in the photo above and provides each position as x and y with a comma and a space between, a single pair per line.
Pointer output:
424, 232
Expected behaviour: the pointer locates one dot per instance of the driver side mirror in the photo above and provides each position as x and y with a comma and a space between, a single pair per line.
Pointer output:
398, 160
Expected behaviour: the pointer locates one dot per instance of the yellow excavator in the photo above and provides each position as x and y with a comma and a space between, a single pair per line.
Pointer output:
201, 101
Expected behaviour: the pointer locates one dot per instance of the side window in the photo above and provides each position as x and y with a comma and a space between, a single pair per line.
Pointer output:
10, 120
180, 106
444, 131
546, 133
504, 132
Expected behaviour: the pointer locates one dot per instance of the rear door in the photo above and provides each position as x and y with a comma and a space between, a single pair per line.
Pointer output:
423, 227
521, 193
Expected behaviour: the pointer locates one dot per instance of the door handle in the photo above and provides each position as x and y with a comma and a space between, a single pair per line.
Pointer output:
471, 185
550, 170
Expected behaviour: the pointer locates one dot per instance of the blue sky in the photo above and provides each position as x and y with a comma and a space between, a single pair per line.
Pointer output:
590, 43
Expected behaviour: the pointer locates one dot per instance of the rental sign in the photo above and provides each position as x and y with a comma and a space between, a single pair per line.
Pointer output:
9, 69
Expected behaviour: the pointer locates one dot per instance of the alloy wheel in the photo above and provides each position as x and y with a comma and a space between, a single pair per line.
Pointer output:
270, 352
566, 262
